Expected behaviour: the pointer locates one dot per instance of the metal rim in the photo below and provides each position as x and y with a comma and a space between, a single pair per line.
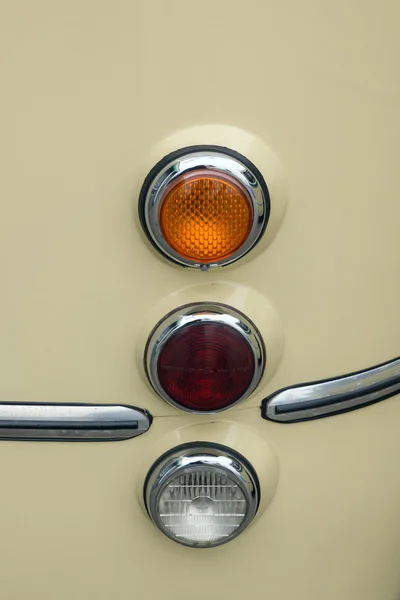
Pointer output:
201, 313
212, 158
201, 454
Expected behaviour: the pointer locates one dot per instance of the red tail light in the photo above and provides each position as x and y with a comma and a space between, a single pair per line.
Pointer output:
205, 358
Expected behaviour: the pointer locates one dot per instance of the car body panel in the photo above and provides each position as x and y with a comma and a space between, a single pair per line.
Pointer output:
92, 94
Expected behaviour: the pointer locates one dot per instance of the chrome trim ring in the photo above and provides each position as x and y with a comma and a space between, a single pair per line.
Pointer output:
71, 422
333, 396
202, 313
211, 158
201, 454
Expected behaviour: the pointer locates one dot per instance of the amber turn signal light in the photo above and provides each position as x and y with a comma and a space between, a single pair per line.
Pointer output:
203, 208
205, 217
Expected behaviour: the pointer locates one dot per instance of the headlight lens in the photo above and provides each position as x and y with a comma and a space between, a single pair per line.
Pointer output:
202, 496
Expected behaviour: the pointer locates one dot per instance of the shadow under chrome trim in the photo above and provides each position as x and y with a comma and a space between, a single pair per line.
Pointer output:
333, 396
71, 422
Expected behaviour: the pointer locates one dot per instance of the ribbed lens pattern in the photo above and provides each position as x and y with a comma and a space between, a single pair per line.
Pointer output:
202, 506
205, 217
206, 366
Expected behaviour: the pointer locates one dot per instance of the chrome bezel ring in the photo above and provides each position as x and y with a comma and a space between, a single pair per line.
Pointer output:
203, 158
202, 313
201, 455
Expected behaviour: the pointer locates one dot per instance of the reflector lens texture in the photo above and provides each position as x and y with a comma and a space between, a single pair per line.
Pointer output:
206, 366
202, 506
205, 217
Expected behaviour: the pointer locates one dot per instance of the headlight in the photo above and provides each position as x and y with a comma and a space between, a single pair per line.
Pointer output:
202, 495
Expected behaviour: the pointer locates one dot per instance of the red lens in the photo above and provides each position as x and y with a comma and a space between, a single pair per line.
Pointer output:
206, 366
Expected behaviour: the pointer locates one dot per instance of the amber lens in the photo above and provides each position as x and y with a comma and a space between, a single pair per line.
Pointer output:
205, 217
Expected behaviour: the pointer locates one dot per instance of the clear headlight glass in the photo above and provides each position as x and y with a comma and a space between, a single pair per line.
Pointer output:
202, 496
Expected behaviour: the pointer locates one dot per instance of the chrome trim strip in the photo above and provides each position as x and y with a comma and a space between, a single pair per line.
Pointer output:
212, 159
201, 313
332, 396
71, 422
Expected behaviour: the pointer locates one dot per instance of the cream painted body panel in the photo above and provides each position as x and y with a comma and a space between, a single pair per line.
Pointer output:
90, 92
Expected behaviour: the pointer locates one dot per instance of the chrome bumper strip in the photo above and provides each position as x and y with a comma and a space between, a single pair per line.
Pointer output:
332, 396
71, 422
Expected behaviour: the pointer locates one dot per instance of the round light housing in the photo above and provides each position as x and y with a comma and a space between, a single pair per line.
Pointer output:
205, 357
204, 207
202, 495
